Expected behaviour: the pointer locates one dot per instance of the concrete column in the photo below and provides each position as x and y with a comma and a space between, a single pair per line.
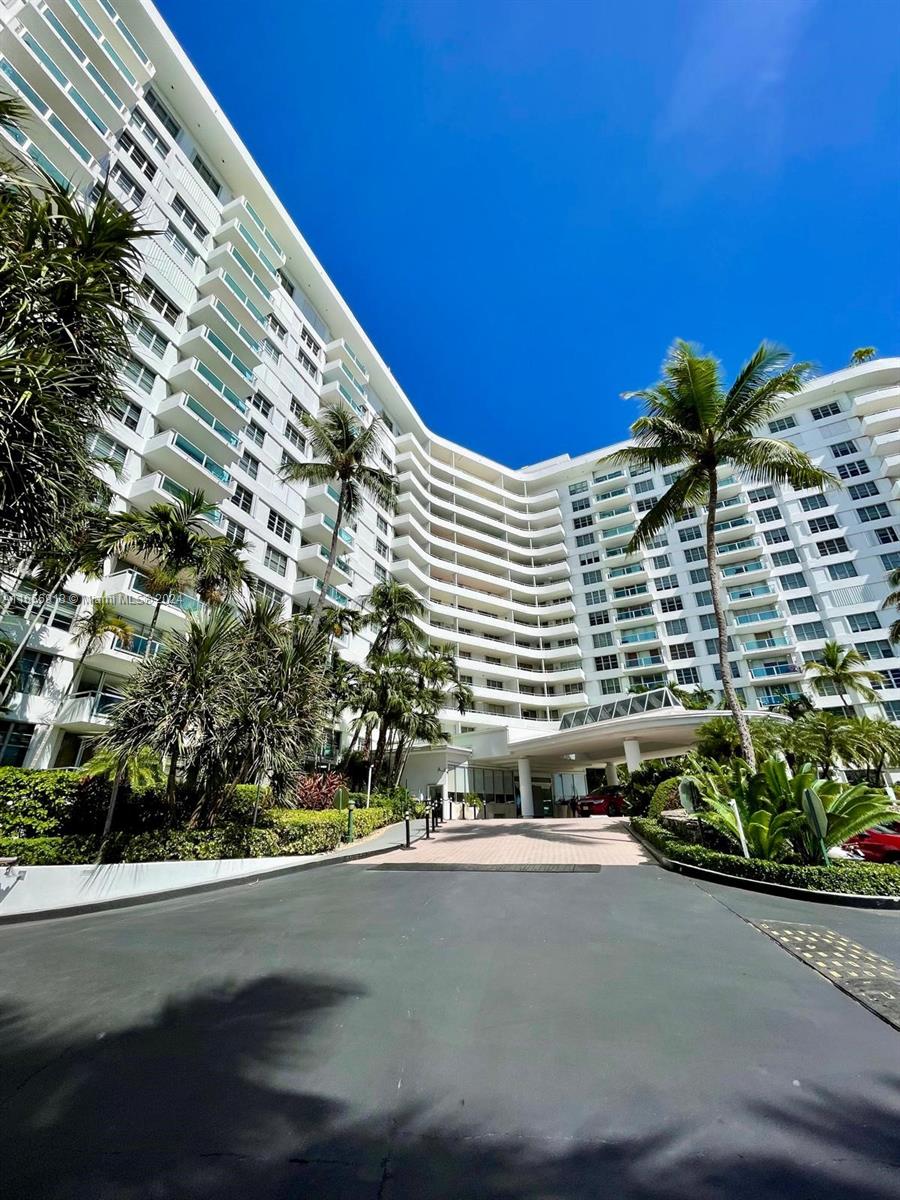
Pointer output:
632, 749
612, 774
525, 794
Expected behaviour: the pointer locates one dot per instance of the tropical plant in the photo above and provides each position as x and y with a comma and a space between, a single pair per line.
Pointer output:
719, 738
91, 627
142, 770
893, 601
346, 452
876, 747
175, 541
842, 669
393, 609
66, 291
317, 790
691, 421
862, 354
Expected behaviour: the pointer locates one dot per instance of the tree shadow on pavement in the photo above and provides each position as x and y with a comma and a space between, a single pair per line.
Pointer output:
210, 1099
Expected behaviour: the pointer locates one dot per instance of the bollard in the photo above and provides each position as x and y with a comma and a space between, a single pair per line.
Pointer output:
406, 818
350, 807
427, 824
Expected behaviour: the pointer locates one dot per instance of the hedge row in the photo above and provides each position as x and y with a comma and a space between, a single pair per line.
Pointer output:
292, 831
864, 879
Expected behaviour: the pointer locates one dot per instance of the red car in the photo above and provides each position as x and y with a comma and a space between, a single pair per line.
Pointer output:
880, 844
604, 802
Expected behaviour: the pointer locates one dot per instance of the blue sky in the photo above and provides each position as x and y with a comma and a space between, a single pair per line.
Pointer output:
524, 202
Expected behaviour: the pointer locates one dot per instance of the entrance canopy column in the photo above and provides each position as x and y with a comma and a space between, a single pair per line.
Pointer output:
525, 793
612, 774
632, 748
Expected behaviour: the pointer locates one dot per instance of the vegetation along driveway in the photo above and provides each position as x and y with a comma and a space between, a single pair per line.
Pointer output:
361, 1032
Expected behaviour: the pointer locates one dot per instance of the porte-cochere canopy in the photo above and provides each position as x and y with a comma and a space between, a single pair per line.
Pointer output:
628, 706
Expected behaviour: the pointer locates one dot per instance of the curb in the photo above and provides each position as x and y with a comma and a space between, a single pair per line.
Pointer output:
80, 910
850, 899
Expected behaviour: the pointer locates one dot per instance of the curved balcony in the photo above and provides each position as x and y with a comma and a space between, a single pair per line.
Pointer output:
241, 208
173, 454
214, 313
223, 284
189, 417
87, 712
195, 377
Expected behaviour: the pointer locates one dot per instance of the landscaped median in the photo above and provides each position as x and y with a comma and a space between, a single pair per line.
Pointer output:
842, 877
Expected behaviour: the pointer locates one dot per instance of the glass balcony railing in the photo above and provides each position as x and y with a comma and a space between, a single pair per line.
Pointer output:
631, 636
257, 221
229, 355
618, 572
357, 408
643, 660
236, 288
354, 382
217, 385
103, 42
342, 534
208, 419
769, 643
249, 272
202, 460
126, 32
756, 615
24, 88
69, 88
141, 584
79, 55
733, 547
256, 248
743, 568
138, 646
341, 563
734, 523
747, 593
333, 493
617, 531
333, 593
768, 670
181, 493
772, 699
231, 320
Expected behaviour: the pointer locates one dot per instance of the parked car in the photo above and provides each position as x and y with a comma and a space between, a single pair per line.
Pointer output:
879, 844
603, 802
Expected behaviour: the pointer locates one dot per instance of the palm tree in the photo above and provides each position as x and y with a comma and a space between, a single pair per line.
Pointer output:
842, 669
175, 541
393, 609
893, 601
92, 625
862, 354
346, 453
692, 421
876, 747
142, 770
823, 738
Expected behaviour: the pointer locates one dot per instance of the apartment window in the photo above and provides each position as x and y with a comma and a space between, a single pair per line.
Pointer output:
687, 675
873, 512
187, 218
782, 424
700, 575
287, 462
849, 470
769, 514
101, 445
891, 562
275, 560
660, 562
381, 548
129, 187
876, 649
792, 582
181, 248
127, 412
592, 556
635, 472
611, 687
262, 405
842, 449
598, 617
823, 524
146, 335
32, 669
255, 433
670, 604
594, 576
249, 465
159, 144
862, 622
159, 301
775, 536
585, 539
702, 599
157, 107
645, 505
308, 340
276, 327
601, 640
677, 627
695, 554
646, 485
861, 491
823, 411
295, 437
707, 621
842, 570
690, 534
234, 533
832, 546
682, 650
206, 175
785, 558
243, 498
381, 523
584, 522
666, 583
598, 596
759, 495
269, 350
286, 284
809, 631
575, 489
886, 535
891, 709
308, 365
137, 155
800, 606
712, 644
606, 662
582, 504
670, 477
279, 526
139, 375
380, 572
268, 589
891, 678
386, 461
15, 738
810, 503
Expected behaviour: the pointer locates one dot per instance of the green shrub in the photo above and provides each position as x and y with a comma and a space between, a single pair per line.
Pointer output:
305, 831
665, 796
42, 803
49, 851
168, 845
864, 879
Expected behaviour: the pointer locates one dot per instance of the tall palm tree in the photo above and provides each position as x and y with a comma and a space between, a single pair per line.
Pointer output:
392, 610
92, 625
692, 421
174, 540
893, 601
346, 452
843, 670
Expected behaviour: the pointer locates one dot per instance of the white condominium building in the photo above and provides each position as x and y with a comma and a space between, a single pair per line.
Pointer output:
524, 572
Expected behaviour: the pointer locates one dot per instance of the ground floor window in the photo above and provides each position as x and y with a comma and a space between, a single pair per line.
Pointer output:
15, 738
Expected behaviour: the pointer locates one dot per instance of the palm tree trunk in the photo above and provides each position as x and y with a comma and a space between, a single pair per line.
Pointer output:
113, 797
172, 776
76, 673
33, 623
152, 628
332, 555
715, 583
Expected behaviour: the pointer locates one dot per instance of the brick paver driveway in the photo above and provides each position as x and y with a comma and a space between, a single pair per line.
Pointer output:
588, 842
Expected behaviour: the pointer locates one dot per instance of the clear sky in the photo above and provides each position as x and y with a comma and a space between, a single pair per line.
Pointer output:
525, 201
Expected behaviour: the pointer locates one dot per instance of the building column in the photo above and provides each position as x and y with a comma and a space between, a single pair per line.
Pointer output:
612, 774
632, 749
525, 794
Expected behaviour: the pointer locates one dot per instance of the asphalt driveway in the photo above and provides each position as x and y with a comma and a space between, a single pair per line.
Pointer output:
366, 1033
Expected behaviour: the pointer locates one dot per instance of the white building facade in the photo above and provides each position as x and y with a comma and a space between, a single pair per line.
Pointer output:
524, 572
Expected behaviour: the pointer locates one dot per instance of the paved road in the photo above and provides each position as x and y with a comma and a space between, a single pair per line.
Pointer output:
376, 1034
